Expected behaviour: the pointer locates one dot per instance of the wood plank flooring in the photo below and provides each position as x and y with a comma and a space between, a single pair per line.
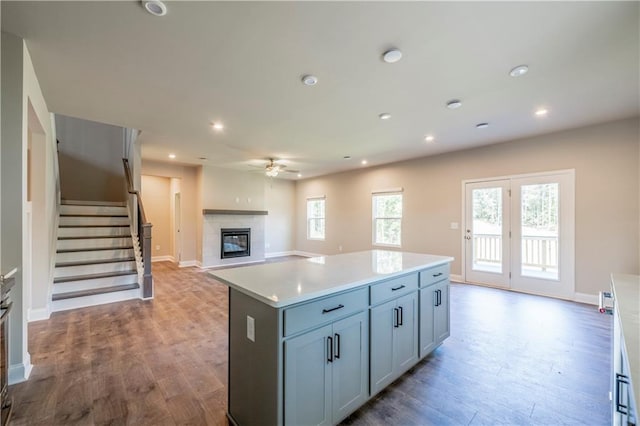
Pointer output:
511, 359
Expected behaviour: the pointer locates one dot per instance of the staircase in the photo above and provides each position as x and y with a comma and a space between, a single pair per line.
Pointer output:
95, 258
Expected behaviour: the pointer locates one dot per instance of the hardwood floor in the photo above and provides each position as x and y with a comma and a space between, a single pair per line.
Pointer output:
511, 359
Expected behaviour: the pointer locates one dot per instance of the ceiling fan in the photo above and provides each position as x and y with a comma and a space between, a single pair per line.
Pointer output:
272, 168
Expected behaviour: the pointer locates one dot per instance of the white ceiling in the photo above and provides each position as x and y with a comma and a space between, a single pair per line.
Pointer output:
241, 63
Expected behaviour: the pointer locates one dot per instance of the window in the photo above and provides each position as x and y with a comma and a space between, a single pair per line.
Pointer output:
387, 218
315, 218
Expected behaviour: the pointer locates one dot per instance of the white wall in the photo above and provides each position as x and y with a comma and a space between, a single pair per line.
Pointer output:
90, 159
605, 158
231, 189
280, 202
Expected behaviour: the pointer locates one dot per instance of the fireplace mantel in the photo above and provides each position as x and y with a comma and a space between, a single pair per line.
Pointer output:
236, 212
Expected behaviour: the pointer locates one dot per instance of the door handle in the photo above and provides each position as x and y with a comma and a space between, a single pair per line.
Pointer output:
329, 349
337, 350
401, 319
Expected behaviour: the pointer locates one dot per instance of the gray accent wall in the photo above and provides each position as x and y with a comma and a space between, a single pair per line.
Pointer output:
90, 156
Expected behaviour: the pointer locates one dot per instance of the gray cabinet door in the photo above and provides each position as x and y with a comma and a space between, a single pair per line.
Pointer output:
406, 333
307, 378
428, 301
441, 317
381, 347
350, 365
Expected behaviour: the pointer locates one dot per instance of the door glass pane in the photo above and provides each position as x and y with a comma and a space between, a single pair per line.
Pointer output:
539, 213
487, 230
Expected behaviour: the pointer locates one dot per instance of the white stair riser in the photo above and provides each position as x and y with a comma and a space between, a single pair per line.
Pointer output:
80, 256
115, 210
98, 299
94, 232
98, 268
93, 243
94, 283
93, 220
93, 203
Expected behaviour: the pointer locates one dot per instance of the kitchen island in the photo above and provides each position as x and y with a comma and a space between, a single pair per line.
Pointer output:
311, 340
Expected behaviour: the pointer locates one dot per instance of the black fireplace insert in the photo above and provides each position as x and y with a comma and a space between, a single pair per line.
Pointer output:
235, 242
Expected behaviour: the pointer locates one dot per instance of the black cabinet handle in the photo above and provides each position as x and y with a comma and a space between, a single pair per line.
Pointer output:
329, 349
439, 297
326, 311
395, 318
398, 288
437, 275
337, 337
621, 408
435, 295
401, 320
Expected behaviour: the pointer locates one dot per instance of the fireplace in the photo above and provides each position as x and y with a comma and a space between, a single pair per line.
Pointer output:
235, 242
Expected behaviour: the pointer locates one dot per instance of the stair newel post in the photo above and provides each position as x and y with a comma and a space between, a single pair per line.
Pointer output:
145, 237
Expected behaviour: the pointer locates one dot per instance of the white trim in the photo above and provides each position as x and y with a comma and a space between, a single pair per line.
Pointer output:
386, 191
589, 299
187, 263
10, 273
95, 299
279, 254
317, 197
306, 254
163, 259
20, 372
39, 314
518, 176
456, 278
198, 264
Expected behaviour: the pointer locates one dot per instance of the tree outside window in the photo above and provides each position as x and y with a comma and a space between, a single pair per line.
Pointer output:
315, 218
387, 219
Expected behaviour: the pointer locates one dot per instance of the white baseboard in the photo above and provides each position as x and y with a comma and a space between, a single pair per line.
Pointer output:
20, 372
162, 259
306, 254
589, 299
39, 314
198, 264
456, 278
279, 254
187, 263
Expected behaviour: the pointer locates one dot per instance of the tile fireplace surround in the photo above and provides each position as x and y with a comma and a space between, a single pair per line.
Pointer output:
215, 220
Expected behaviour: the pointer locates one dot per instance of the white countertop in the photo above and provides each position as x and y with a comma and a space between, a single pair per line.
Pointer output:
626, 291
285, 283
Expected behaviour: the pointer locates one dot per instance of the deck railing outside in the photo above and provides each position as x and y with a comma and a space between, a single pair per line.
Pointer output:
539, 252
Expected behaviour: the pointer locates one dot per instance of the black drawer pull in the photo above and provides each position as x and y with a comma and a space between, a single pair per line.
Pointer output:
437, 275
398, 288
326, 311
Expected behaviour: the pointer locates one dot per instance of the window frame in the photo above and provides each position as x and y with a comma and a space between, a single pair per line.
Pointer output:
323, 218
375, 219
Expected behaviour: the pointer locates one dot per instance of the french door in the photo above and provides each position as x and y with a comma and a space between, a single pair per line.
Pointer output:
519, 233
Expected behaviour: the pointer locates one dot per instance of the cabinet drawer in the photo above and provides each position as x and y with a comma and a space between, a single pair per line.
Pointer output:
393, 288
433, 275
321, 311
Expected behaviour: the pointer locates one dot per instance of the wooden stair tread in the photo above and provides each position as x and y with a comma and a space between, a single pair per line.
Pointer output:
92, 292
93, 203
94, 276
95, 262
90, 237
94, 249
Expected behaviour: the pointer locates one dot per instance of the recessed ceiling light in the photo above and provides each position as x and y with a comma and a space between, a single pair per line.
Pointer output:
155, 7
299, 174
429, 138
363, 162
347, 157
384, 116
482, 125
519, 70
310, 80
454, 104
391, 56
541, 112
172, 156
218, 126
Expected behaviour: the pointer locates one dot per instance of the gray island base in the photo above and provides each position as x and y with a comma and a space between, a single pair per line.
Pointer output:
312, 340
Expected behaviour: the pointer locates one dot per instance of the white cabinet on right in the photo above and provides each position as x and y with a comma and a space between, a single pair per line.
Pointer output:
434, 308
